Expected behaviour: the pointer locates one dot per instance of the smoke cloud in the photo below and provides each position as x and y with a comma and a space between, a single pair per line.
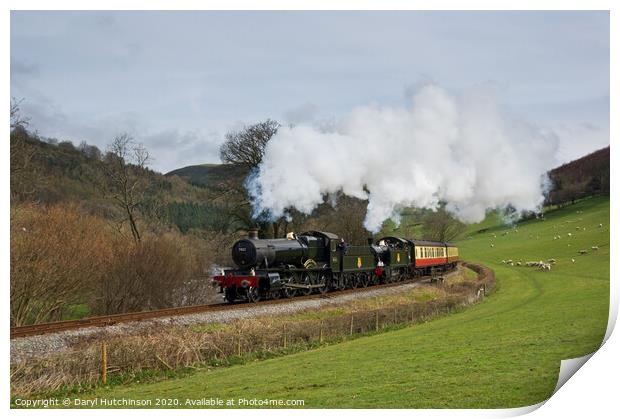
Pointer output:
458, 150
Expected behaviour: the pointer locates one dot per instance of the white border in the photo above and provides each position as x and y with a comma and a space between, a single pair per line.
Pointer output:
593, 391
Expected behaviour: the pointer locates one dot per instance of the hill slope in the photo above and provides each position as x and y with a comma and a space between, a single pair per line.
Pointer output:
504, 352
210, 174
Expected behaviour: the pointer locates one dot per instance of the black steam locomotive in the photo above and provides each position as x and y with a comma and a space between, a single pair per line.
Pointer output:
317, 261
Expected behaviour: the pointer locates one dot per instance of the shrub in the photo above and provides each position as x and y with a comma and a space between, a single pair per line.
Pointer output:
56, 254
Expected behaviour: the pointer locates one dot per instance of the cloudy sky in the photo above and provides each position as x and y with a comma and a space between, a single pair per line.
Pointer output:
178, 81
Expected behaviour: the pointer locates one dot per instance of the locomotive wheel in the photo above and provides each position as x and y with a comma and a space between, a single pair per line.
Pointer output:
305, 280
364, 280
355, 281
253, 295
322, 279
340, 283
289, 292
230, 295
349, 281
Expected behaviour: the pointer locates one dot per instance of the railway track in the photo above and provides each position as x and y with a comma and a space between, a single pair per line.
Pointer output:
108, 320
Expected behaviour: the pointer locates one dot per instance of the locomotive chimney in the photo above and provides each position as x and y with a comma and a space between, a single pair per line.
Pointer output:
253, 233
370, 241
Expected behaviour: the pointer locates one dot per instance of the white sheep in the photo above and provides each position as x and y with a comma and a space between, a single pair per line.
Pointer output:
519, 263
492, 245
594, 247
583, 251
572, 260
551, 260
544, 267
570, 235
600, 225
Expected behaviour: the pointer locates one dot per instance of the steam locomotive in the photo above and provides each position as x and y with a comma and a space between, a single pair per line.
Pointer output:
318, 261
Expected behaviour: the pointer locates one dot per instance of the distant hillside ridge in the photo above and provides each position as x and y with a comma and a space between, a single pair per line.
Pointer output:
210, 175
588, 175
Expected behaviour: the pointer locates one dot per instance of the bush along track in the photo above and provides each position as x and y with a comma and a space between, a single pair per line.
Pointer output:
175, 350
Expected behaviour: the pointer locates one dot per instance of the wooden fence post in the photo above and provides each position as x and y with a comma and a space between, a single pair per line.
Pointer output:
284, 335
351, 326
104, 363
239, 344
377, 320
321, 333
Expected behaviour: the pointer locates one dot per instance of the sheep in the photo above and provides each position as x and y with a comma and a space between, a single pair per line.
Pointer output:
551, 260
570, 235
583, 251
504, 261
577, 228
492, 245
594, 247
600, 225
519, 263
509, 261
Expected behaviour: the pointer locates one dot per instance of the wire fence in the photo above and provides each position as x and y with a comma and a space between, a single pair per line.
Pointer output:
95, 362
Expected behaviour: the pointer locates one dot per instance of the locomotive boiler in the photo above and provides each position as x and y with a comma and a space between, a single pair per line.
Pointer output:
318, 261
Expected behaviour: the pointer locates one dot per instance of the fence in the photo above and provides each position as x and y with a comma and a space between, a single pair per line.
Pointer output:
175, 348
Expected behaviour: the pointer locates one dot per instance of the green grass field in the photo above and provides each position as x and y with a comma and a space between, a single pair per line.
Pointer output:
504, 352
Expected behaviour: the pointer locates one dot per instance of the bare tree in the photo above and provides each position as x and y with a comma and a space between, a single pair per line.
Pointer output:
346, 219
441, 226
17, 119
247, 146
126, 181
24, 178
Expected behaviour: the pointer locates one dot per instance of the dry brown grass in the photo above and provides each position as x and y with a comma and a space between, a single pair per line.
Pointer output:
178, 347
60, 255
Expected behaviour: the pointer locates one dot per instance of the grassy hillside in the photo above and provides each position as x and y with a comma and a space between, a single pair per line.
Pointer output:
504, 352
210, 174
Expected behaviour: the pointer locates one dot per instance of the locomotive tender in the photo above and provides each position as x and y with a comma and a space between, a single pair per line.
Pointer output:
317, 261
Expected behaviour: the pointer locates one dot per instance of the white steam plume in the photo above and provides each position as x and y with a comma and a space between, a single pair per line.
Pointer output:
442, 149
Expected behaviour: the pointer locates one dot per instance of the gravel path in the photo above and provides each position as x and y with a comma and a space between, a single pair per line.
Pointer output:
44, 345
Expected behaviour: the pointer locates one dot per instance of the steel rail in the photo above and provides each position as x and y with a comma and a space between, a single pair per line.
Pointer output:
111, 319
